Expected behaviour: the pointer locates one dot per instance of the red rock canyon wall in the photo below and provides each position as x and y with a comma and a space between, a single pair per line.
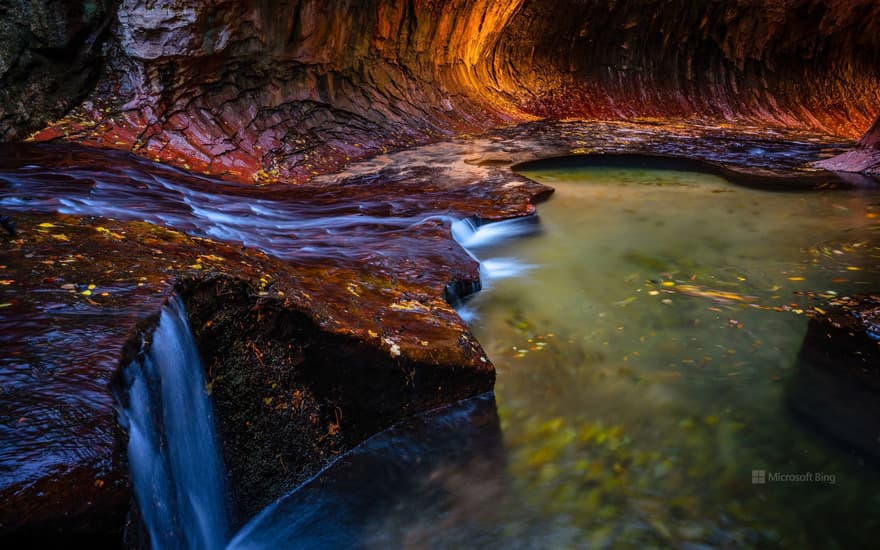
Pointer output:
256, 91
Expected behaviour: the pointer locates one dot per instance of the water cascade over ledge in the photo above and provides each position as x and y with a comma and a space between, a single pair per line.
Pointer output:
173, 450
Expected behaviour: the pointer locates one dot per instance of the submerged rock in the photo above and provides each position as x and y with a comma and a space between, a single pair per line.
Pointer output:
837, 384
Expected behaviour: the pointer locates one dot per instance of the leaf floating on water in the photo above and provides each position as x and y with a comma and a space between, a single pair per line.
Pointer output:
853, 268
796, 279
60, 237
46, 225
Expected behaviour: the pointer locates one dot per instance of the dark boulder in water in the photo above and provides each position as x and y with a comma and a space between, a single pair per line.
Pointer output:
837, 385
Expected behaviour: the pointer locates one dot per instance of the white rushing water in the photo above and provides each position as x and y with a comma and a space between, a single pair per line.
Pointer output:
174, 454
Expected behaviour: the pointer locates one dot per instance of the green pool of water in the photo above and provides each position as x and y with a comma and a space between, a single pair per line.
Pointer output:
643, 358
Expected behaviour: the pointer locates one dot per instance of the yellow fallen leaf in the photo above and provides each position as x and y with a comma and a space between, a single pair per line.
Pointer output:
796, 279
86, 292
46, 225
407, 305
60, 237
699, 292
211, 257
853, 268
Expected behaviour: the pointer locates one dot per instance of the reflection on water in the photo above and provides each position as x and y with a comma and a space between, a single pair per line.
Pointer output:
642, 363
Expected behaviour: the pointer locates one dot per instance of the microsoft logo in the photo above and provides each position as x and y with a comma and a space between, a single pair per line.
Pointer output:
759, 477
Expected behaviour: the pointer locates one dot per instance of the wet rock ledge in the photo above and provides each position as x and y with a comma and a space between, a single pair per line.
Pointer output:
307, 356
289, 396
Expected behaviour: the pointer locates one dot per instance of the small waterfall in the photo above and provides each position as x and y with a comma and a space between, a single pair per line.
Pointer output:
173, 449
473, 237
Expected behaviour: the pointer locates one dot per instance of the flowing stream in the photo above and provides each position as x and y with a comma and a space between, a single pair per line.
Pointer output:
645, 334
173, 451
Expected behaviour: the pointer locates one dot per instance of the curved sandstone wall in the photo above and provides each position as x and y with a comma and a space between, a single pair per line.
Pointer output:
266, 90
258, 91
805, 64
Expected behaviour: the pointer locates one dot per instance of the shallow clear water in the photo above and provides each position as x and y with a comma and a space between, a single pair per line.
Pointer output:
643, 360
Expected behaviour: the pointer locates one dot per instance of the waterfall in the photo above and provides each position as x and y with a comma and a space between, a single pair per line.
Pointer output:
173, 450
476, 238
473, 237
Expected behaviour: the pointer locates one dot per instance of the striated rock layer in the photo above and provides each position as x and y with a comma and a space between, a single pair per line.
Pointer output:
258, 91
810, 64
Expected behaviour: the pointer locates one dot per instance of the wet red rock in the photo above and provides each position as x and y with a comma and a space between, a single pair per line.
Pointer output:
75, 286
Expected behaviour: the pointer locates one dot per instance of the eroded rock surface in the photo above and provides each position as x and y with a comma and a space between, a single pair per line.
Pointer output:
361, 257
864, 157
255, 92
